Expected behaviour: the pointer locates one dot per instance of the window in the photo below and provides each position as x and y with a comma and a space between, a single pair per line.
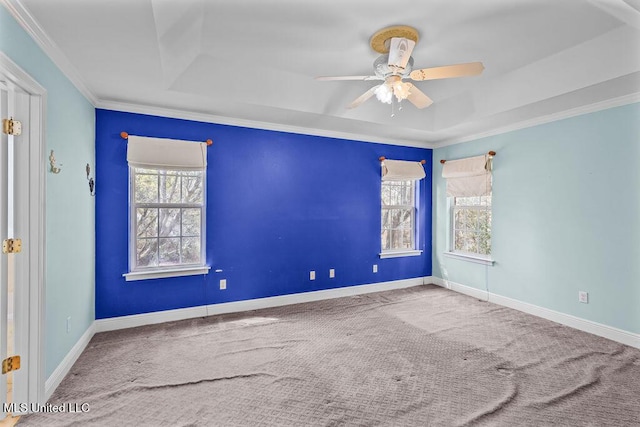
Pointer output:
167, 218
398, 216
166, 208
469, 189
471, 226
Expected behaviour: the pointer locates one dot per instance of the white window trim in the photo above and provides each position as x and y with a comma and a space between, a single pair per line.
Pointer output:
401, 253
478, 259
462, 256
164, 271
395, 253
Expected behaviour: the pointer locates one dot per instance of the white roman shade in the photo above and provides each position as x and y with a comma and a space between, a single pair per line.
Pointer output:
401, 170
161, 153
468, 177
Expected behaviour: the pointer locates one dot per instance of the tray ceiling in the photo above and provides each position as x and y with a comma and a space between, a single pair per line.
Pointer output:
253, 62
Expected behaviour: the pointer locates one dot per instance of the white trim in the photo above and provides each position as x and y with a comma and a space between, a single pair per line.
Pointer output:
66, 364
159, 274
123, 322
595, 328
397, 254
254, 124
36, 242
468, 257
560, 115
48, 46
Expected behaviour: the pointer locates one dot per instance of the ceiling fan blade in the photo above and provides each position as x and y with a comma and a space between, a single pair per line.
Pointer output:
418, 98
448, 71
400, 51
359, 100
326, 78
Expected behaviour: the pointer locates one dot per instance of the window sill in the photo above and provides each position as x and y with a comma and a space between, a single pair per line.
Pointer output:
169, 272
397, 254
470, 258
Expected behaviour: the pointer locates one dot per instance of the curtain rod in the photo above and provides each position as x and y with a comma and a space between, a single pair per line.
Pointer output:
383, 158
125, 135
491, 153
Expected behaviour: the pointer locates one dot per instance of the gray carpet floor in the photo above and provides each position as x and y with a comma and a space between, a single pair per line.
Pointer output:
423, 356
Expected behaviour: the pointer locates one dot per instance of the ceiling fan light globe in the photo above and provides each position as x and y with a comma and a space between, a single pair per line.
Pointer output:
401, 90
384, 93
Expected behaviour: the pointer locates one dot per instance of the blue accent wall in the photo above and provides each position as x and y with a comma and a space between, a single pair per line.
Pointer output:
278, 206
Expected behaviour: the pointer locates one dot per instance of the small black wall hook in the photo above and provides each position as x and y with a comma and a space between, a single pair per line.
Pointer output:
92, 183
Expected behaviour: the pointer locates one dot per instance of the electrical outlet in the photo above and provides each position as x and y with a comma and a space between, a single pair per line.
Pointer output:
223, 284
375, 268
332, 273
69, 324
312, 275
583, 297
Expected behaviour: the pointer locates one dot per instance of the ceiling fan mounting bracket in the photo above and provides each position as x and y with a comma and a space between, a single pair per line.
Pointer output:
380, 40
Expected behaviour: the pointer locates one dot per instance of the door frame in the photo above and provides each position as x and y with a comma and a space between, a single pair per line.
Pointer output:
34, 239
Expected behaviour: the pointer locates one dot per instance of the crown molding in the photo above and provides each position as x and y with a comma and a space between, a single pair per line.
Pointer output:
49, 47
212, 118
578, 111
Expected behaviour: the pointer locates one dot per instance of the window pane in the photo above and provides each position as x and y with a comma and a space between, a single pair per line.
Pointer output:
192, 187
395, 218
397, 224
386, 217
169, 251
147, 222
191, 222
458, 240
484, 244
147, 171
386, 194
472, 225
401, 239
169, 188
386, 240
146, 188
393, 194
408, 193
169, 222
458, 219
406, 239
405, 218
483, 218
191, 250
471, 219
470, 241
147, 253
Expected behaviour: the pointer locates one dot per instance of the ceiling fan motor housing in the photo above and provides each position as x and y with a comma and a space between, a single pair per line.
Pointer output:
383, 70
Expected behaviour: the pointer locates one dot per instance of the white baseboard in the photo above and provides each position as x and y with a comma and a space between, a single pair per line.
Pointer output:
614, 334
65, 366
123, 322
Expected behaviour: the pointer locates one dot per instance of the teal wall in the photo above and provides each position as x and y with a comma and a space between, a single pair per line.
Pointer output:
70, 131
566, 216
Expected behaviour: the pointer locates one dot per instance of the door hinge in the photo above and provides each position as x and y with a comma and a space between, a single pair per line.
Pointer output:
11, 127
10, 364
11, 246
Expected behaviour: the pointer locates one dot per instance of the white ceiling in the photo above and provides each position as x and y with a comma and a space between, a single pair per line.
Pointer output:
253, 62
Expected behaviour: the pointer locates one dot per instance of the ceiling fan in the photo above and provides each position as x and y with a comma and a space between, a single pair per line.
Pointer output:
396, 63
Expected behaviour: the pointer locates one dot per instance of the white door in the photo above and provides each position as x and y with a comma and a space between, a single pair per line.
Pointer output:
14, 216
